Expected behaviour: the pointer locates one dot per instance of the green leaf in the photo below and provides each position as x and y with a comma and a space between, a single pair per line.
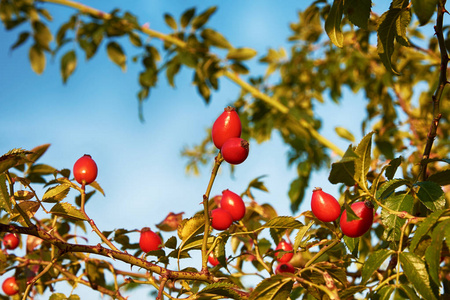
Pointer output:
373, 263
258, 184
23, 37
393, 166
66, 210
283, 222
28, 207
358, 12
433, 252
386, 31
350, 291
57, 193
416, 272
42, 169
393, 223
387, 188
410, 293
351, 243
345, 134
424, 228
12, 159
442, 177
95, 273
42, 35
186, 17
37, 152
424, 9
277, 287
37, 59
301, 234
343, 171
241, 53
191, 227
363, 150
384, 293
202, 18
57, 296
216, 39
224, 289
431, 195
170, 21
333, 23
68, 65
239, 68
402, 24
116, 54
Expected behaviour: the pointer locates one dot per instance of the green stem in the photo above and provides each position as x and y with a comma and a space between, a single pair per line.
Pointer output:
91, 222
218, 160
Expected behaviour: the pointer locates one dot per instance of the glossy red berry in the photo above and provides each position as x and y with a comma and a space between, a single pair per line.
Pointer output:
227, 125
149, 240
85, 169
11, 241
356, 228
221, 219
285, 246
235, 151
234, 204
212, 260
324, 206
10, 286
285, 268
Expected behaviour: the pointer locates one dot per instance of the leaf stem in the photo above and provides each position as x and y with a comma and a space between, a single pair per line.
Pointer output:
321, 252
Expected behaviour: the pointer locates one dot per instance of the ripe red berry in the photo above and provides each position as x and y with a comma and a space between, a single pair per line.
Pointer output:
10, 286
221, 219
356, 228
235, 150
324, 206
149, 240
11, 241
226, 126
85, 169
285, 268
212, 260
233, 203
285, 246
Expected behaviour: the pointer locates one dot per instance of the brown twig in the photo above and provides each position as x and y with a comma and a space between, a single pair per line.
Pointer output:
440, 89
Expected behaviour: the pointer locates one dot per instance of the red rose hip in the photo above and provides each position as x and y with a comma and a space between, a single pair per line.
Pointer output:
324, 206
11, 241
149, 240
285, 246
233, 203
227, 125
284, 268
85, 170
235, 151
221, 219
10, 286
356, 228
212, 260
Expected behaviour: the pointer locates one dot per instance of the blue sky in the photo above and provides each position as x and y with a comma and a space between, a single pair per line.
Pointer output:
140, 166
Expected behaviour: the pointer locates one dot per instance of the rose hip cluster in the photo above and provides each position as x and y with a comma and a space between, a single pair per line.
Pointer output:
327, 209
226, 136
